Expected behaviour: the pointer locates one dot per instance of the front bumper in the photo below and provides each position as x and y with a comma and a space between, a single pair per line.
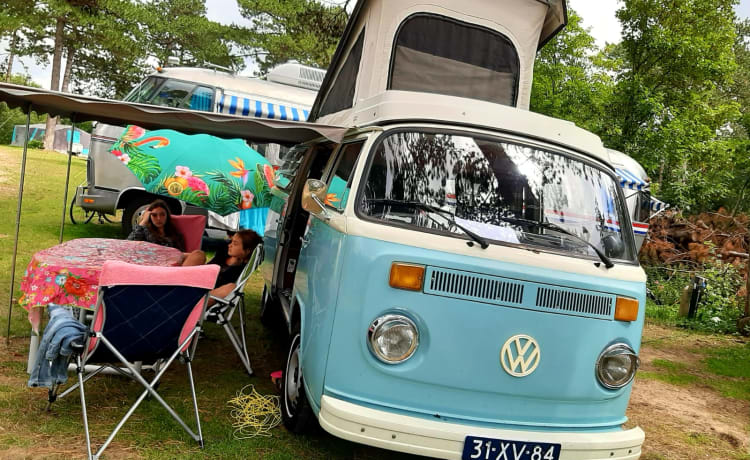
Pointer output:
446, 440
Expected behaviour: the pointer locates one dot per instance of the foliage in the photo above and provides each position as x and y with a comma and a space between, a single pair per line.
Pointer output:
720, 307
304, 30
667, 104
36, 144
567, 83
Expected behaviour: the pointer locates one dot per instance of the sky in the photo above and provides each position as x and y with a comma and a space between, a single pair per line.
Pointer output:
598, 15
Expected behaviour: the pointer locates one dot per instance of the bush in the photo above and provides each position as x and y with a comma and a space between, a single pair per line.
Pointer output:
36, 144
719, 308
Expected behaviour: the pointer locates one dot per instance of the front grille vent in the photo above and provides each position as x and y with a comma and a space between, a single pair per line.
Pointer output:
444, 282
573, 302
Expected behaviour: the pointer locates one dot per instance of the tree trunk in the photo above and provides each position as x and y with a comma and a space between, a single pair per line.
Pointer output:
68, 70
49, 133
11, 55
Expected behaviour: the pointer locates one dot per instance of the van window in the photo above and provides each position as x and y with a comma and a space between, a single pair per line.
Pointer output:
173, 93
510, 193
290, 162
201, 99
440, 55
341, 94
341, 180
144, 91
643, 207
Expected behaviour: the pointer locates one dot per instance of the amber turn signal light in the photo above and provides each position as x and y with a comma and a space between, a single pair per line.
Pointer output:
406, 276
626, 309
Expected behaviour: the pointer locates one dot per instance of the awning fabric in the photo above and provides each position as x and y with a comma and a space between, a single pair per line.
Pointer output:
630, 180
658, 205
154, 117
235, 105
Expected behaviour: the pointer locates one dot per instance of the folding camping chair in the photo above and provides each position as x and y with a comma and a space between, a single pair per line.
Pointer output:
191, 226
223, 310
144, 313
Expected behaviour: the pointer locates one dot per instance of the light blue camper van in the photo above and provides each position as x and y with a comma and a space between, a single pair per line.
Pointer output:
459, 275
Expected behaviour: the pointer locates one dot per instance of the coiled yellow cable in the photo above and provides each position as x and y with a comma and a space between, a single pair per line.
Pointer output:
254, 414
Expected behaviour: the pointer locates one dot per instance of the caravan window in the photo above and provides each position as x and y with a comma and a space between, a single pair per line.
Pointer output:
436, 54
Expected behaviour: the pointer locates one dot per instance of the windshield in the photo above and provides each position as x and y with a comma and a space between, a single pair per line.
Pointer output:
173, 93
507, 193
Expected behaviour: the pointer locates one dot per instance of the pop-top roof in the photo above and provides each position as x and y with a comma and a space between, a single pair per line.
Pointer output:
479, 49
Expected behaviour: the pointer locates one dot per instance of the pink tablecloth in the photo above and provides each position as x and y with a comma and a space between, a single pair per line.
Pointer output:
68, 274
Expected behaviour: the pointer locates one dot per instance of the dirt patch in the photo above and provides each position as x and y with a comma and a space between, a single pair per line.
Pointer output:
692, 421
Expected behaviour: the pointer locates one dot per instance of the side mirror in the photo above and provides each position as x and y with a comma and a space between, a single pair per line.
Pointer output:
313, 196
613, 246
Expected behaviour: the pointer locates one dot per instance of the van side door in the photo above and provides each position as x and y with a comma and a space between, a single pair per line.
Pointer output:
319, 269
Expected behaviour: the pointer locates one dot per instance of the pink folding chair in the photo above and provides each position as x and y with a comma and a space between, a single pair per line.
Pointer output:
144, 313
191, 226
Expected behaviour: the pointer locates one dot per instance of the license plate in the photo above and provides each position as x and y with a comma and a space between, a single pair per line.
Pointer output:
501, 449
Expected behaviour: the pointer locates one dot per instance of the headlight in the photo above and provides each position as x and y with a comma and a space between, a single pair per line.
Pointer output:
616, 366
393, 338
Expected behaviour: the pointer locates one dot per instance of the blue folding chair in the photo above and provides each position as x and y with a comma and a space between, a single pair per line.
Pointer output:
148, 314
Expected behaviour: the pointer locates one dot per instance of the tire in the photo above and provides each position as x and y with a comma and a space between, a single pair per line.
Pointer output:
269, 309
78, 215
296, 412
133, 212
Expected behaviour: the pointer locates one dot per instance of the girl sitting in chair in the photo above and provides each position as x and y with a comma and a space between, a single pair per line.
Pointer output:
155, 226
232, 260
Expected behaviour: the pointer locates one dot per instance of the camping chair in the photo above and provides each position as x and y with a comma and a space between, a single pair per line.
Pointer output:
191, 226
144, 313
223, 310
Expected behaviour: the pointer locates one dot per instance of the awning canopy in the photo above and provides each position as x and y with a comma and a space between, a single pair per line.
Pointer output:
86, 108
235, 105
630, 180
658, 205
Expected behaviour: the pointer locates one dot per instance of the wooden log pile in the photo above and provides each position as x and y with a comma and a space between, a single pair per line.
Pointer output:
694, 240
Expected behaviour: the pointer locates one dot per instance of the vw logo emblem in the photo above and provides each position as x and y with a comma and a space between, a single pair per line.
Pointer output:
520, 355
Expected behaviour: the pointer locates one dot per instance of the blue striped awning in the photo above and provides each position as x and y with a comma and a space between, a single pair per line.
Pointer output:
658, 205
235, 105
630, 180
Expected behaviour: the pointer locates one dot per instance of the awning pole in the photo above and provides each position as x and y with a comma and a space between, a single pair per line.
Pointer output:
18, 221
67, 175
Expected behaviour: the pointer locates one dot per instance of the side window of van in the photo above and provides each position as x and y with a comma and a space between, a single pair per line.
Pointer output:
201, 99
340, 182
290, 163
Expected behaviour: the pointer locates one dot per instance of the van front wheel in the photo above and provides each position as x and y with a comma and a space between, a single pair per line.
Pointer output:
295, 409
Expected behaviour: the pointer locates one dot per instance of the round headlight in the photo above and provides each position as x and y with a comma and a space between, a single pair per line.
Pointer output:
393, 338
616, 366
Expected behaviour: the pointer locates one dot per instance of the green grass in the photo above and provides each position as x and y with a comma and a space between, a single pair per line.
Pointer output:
670, 372
150, 433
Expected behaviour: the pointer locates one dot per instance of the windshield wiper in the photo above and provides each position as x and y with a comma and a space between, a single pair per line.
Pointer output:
452, 217
550, 226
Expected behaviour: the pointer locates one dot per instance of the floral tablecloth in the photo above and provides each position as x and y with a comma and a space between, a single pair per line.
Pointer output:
68, 274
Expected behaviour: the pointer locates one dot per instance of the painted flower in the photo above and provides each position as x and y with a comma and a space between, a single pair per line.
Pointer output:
330, 199
76, 286
197, 184
133, 132
268, 172
183, 171
125, 158
175, 185
49, 290
247, 195
60, 279
117, 152
240, 172
246, 205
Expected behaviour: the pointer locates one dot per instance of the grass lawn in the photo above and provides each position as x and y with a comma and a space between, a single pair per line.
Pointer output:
28, 431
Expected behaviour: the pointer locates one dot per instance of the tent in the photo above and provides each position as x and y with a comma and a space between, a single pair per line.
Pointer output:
84, 108
81, 139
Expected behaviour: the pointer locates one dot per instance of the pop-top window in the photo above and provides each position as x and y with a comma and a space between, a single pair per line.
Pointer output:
341, 95
434, 54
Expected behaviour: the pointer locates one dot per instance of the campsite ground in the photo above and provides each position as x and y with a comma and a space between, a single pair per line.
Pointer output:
691, 396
